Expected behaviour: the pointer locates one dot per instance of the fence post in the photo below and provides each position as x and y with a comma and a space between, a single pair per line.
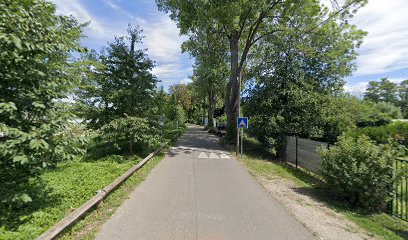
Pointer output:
296, 161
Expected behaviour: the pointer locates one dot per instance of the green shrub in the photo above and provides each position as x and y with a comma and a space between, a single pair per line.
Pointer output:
212, 130
359, 171
396, 131
389, 109
222, 119
132, 134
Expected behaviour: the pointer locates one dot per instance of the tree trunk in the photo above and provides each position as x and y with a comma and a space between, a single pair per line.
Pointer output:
232, 94
211, 108
203, 107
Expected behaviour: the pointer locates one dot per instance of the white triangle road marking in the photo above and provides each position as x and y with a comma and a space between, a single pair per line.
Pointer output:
213, 155
202, 155
223, 155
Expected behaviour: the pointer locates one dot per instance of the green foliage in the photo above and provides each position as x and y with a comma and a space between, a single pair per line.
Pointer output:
175, 113
359, 171
222, 119
386, 91
259, 163
393, 132
244, 27
132, 134
35, 74
59, 191
389, 109
383, 90
117, 81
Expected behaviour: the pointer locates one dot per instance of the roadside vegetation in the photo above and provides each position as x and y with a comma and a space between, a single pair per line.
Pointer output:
72, 119
261, 163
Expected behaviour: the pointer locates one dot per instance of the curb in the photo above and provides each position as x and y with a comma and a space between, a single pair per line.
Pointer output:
73, 216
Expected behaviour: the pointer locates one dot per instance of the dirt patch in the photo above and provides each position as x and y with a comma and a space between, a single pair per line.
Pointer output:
324, 222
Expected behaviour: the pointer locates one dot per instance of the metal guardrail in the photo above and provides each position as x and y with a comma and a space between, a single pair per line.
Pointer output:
399, 202
75, 215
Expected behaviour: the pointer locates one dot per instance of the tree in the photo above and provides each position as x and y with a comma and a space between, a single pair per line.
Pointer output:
35, 75
210, 69
119, 82
243, 23
382, 91
403, 95
183, 96
295, 79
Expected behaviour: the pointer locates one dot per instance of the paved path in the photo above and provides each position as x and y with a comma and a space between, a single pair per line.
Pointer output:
198, 191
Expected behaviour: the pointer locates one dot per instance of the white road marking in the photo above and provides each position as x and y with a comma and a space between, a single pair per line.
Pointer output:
223, 155
213, 155
202, 155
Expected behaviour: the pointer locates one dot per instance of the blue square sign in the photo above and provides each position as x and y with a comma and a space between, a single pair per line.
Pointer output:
242, 122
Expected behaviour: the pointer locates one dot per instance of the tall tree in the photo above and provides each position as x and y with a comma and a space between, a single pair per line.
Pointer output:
121, 82
382, 91
210, 69
403, 94
243, 23
294, 76
36, 46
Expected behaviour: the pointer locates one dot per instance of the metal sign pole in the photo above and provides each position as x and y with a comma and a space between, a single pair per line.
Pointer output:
242, 136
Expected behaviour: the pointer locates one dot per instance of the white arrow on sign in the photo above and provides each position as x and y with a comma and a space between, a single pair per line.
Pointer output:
242, 124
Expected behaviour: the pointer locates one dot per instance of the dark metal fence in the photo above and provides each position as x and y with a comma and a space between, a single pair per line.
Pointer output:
399, 203
303, 152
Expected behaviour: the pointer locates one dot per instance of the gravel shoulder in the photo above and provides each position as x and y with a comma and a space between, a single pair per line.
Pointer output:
324, 222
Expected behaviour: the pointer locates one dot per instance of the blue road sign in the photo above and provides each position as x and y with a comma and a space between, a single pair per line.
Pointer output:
242, 122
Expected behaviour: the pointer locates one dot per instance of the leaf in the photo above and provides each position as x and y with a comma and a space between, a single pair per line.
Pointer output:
22, 159
16, 41
38, 105
37, 144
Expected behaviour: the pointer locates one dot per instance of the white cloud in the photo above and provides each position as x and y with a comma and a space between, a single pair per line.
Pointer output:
172, 71
385, 48
186, 81
162, 38
74, 8
96, 30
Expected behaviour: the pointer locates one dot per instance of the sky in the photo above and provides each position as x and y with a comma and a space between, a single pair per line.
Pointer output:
384, 52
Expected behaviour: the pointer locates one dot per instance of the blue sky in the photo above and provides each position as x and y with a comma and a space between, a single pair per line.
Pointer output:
384, 52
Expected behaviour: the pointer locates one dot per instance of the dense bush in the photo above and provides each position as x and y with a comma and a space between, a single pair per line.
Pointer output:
132, 134
389, 109
359, 171
395, 132
175, 114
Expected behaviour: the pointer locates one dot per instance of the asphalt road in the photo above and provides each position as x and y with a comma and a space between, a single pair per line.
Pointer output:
199, 191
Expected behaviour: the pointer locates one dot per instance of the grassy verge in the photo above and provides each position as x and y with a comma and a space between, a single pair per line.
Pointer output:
67, 187
89, 226
260, 162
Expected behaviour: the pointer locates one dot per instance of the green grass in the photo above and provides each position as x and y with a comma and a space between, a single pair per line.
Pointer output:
89, 226
68, 186
260, 162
